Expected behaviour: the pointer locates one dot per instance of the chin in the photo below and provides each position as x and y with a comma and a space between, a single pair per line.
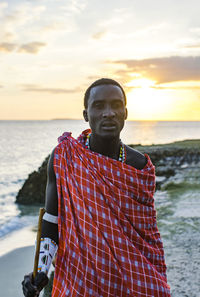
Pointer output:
109, 134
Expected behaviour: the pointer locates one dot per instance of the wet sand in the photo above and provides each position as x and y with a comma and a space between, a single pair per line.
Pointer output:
14, 265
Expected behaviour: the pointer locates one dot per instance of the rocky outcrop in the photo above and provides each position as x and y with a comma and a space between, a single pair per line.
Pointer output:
173, 154
172, 159
169, 160
33, 189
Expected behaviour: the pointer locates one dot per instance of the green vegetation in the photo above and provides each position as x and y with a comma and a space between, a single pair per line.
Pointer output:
188, 144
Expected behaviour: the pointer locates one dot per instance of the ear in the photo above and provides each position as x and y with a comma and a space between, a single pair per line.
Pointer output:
126, 113
85, 115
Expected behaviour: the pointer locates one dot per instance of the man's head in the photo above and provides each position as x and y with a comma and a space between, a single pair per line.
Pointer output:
105, 108
100, 82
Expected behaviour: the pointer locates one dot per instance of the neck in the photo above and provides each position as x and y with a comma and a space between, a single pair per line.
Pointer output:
107, 147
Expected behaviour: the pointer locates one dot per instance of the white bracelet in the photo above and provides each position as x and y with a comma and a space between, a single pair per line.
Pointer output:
48, 249
50, 218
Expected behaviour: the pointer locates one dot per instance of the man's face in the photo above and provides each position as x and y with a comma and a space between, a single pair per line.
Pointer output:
106, 111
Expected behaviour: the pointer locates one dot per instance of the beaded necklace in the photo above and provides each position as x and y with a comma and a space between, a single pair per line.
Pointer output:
122, 151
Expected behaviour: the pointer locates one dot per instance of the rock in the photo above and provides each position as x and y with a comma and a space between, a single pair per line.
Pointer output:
33, 189
165, 171
159, 181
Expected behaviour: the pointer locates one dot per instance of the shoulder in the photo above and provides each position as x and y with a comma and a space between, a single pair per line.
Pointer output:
50, 167
135, 158
51, 158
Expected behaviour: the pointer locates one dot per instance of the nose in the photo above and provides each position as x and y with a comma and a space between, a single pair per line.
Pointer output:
108, 112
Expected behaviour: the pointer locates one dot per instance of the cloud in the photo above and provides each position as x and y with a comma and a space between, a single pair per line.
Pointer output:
195, 30
19, 20
193, 46
24, 21
162, 70
39, 89
31, 47
74, 6
7, 47
93, 77
99, 34
21, 16
3, 5
8, 36
183, 87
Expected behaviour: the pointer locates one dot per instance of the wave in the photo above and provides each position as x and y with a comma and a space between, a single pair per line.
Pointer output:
16, 223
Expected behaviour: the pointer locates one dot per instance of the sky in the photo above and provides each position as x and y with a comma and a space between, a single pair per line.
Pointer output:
51, 51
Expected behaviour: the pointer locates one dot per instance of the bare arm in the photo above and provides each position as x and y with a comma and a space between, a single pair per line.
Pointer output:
50, 230
32, 287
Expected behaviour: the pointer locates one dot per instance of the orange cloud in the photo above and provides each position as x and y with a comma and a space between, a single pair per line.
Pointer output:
7, 47
183, 87
162, 70
99, 35
34, 88
31, 47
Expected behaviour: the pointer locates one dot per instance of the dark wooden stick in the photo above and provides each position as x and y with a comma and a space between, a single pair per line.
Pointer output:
37, 251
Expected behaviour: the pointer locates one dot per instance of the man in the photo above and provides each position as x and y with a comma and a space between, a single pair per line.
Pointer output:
100, 210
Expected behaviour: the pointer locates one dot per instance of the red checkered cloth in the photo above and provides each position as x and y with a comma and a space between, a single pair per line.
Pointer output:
109, 244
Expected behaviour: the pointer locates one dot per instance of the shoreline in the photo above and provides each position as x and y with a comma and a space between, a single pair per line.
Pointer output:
17, 239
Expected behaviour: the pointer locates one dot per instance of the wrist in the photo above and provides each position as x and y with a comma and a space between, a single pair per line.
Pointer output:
48, 250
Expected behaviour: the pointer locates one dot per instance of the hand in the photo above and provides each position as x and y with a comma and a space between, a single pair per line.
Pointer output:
32, 288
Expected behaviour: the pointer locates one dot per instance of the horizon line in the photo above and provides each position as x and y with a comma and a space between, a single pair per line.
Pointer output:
78, 119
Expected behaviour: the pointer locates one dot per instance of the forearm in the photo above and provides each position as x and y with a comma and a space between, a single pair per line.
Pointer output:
50, 230
48, 243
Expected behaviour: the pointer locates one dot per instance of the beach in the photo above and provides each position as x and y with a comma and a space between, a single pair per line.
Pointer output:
13, 267
16, 262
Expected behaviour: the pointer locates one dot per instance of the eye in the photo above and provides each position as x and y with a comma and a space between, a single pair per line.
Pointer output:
98, 105
117, 104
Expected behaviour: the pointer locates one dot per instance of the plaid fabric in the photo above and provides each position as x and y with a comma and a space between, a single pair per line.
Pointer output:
109, 244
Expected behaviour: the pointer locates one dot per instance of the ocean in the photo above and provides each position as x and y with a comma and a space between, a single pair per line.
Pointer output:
25, 144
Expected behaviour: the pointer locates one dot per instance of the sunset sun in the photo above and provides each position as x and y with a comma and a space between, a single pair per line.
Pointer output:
145, 101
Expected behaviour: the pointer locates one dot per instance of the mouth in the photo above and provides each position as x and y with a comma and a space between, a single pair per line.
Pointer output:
109, 126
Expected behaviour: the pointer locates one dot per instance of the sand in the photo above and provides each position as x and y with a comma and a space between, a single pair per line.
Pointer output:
17, 253
16, 260
14, 265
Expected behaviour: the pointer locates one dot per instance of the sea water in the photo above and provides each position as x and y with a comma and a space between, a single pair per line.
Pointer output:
25, 144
